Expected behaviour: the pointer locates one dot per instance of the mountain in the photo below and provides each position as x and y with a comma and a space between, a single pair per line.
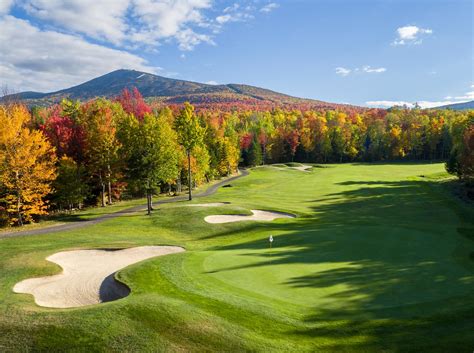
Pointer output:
458, 106
171, 91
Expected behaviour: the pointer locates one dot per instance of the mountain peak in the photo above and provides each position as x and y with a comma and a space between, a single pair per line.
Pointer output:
173, 91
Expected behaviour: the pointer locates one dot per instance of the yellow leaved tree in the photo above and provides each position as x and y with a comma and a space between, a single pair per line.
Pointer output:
27, 165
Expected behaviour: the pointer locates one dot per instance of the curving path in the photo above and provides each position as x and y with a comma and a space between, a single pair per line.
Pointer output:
81, 224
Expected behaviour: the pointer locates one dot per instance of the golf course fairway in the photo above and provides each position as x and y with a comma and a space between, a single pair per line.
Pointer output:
380, 258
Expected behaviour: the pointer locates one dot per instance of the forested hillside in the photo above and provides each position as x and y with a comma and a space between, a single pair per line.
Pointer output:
74, 153
167, 91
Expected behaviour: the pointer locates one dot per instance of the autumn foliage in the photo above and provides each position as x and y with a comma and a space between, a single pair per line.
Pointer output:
27, 165
95, 152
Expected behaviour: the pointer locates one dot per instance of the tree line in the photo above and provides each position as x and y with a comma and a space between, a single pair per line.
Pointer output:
74, 154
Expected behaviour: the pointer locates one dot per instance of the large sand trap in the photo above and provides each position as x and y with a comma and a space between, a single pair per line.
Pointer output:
211, 204
88, 276
257, 216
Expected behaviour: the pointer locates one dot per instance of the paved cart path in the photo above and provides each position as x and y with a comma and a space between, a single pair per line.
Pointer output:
81, 224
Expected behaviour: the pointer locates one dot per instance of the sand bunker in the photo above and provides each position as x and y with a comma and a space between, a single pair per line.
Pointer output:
88, 276
211, 204
257, 216
303, 168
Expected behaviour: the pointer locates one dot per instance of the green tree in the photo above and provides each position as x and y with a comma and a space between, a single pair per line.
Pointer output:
190, 134
100, 124
461, 160
151, 150
70, 188
255, 154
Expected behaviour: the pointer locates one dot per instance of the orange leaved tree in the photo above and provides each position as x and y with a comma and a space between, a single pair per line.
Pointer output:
27, 165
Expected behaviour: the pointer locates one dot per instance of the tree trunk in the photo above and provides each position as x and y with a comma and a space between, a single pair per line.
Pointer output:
103, 194
148, 201
110, 192
189, 176
178, 184
18, 207
109, 184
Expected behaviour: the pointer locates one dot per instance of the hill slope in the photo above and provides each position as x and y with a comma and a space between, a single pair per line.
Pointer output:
172, 91
458, 106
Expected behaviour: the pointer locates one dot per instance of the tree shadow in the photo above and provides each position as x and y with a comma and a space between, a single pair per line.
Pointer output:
397, 248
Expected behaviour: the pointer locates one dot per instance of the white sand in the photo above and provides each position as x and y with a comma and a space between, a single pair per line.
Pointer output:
257, 216
211, 204
87, 276
303, 168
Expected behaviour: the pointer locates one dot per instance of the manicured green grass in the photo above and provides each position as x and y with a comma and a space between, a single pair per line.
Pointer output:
378, 260
76, 215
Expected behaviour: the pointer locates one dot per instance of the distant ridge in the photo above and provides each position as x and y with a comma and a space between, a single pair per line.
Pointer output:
171, 91
458, 106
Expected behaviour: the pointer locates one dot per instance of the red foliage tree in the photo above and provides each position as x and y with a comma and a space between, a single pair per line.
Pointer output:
64, 133
293, 139
133, 103
246, 140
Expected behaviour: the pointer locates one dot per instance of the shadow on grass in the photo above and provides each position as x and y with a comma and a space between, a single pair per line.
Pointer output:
400, 250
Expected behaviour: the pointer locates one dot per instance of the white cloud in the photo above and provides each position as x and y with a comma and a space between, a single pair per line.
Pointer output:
369, 69
5, 6
223, 19
342, 71
411, 35
269, 7
47, 60
423, 104
188, 39
388, 104
56, 49
468, 96
232, 8
212, 83
133, 23
171, 19
234, 13
98, 19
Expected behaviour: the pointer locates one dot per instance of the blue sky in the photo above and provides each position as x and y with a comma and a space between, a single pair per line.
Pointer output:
375, 53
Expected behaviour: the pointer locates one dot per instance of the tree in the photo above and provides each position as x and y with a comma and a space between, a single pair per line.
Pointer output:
228, 156
69, 185
151, 151
133, 103
100, 123
190, 134
62, 128
461, 160
255, 154
26, 165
